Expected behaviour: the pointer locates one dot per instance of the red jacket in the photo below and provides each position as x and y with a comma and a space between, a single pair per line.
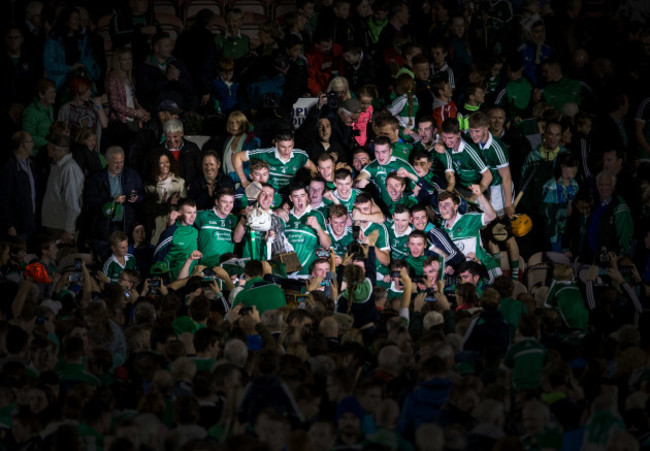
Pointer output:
321, 66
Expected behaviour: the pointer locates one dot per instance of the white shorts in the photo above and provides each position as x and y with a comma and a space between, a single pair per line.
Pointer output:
497, 199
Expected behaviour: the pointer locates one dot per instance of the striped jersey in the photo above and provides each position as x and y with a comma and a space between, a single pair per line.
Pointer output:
280, 172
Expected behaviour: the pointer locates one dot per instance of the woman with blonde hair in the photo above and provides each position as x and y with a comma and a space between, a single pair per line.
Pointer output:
120, 90
341, 86
241, 138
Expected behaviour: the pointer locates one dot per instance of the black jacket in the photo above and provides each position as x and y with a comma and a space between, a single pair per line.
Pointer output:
198, 190
189, 161
154, 87
98, 193
16, 207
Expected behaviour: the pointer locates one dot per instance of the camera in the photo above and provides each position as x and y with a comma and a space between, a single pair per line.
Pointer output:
133, 195
77, 264
354, 248
431, 295
40, 321
333, 99
208, 272
603, 258
75, 277
322, 253
394, 274
154, 283
246, 310
625, 270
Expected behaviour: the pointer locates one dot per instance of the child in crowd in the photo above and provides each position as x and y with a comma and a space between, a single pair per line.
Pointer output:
474, 98
224, 88
558, 196
120, 259
366, 95
405, 106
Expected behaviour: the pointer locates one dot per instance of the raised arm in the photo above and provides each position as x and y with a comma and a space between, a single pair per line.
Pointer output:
238, 160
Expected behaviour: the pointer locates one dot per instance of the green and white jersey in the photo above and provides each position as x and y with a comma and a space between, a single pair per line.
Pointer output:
303, 238
176, 244
465, 232
113, 269
340, 243
495, 155
383, 244
378, 174
442, 162
349, 202
408, 201
468, 164
402, 150
280, 172
241, 200
323, 208
398, 241
215, 235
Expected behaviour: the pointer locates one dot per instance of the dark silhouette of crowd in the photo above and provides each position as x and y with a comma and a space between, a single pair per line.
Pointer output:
325, 225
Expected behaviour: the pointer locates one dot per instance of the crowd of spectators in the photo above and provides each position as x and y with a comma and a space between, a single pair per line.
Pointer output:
450, 249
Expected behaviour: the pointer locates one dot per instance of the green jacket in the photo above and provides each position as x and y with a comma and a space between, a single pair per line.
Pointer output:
36, 121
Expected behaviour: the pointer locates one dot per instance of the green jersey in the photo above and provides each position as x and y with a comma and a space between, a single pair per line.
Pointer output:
378, 173
303, 238
495, 155
383, 244
408, 201
398, 241
113, 269
465, 232
467, 163
323, 208
558, 94
526, 357
262, 294
349, 202
280, 172
340, 243
215, 235
176, 244
402, 150
416, 264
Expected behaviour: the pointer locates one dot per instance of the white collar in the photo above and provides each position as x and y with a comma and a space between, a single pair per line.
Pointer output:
338, 196
448, 225
408, 230
214, 209
461, 147
279, 157
307, 210
488, 143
